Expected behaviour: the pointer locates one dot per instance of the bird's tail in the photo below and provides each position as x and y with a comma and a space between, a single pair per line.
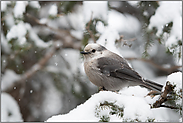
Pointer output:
153, 85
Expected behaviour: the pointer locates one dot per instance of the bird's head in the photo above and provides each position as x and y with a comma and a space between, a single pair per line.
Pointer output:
93, 50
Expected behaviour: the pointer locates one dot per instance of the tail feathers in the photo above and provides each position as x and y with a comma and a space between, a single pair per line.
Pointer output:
153, 85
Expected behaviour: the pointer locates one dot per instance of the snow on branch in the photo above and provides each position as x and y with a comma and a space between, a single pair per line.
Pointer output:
130, 104
67, 39
163, 98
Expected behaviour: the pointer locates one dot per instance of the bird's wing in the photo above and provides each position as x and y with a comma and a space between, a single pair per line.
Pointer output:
118, 69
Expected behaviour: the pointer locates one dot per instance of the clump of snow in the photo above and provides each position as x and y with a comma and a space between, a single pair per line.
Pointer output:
166, 15
165, 115
133, 3
180, 120
43, 20
115, 4
175, 79
108, 38
10, 111
98, 8
36, 39
67, 53
9, 78
77, 34
134, 102
35, 4
19, 8
77, 16
100, 27
134, 91
53, 10
138, 91
145, 13
9, 19
4, 44
18, 31
123, 22
4, 5
134, 107
52, 103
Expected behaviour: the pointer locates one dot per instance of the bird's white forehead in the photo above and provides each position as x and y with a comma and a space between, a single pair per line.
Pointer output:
91, 46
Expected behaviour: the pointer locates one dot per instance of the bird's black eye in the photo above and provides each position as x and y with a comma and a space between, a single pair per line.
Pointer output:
93, 50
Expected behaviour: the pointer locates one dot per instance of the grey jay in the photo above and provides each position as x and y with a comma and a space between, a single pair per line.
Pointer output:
110, 71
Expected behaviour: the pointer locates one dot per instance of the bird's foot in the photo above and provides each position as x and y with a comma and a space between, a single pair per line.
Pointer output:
101, 89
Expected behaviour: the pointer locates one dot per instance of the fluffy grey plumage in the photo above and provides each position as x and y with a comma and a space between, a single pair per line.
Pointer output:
108, 70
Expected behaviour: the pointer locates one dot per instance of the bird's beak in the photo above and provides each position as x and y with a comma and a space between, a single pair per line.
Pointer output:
83, 52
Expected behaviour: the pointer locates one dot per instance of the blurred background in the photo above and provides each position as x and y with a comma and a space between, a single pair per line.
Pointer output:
41, 65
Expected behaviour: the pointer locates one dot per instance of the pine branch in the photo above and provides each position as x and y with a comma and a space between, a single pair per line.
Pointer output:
88, 29
163, 98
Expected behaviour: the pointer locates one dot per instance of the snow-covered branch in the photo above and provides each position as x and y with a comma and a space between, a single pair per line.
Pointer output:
163, 98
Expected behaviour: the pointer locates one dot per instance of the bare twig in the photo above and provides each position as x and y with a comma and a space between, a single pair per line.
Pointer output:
168, 70
88, 29
124, 40
36, 67
163, 98
171, 107
120, 40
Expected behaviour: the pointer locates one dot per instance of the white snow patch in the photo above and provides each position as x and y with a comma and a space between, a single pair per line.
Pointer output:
4, 5
134, 91
115, 4
9, 19
19, 8
71, 55
175, 79
20, 30
4, 44
100, 27
9, 78
77, 16
77, 34
133, 3
53, 69
165, 115
99, 9
17, 31
35, 4
145, 13
108, 38
166, 15
36, 39
123, 22
53, 10
134, 107
43, 20
9, 106
52, 103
